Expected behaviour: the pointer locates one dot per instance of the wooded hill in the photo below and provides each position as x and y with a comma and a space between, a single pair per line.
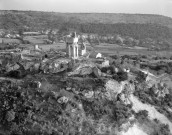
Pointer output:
138, 26
106, 18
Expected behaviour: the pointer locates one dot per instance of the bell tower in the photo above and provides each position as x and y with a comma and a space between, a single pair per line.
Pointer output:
72, 45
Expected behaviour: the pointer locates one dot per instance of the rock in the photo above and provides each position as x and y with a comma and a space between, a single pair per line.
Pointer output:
80, 106
83, 69
89, 94
68, 88
108, 95
11, 67
10, 115
55, 66
36, 66
113, 87
28, 65
39, 84
97, 72
63, 100
105, 63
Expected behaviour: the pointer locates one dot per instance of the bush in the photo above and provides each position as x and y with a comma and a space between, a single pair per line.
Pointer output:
163, 130
143, 114
120, 76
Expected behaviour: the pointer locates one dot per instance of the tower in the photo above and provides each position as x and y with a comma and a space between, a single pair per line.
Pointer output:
72, 46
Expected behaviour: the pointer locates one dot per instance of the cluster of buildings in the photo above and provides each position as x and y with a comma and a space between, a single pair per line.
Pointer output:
4, 34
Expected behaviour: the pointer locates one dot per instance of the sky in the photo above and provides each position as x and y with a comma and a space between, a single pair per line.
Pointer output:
161, 7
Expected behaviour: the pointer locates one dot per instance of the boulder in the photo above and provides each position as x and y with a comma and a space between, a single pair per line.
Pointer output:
113, 87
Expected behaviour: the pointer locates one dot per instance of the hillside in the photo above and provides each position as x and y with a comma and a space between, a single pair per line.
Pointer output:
106, 18
137, 26
112, 18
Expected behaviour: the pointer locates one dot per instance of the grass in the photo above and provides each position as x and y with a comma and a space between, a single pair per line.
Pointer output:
109, 49
9, 40
56, 46
34, 39
113, 49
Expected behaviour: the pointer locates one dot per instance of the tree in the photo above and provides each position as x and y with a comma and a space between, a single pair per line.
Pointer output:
51, 36
21, 31
128, 41
119, 40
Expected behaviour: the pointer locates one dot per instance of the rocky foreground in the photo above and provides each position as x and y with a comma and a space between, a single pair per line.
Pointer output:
54, 95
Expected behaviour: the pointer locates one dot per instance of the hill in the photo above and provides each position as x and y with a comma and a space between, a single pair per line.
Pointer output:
105, 18
112, 18
138, 26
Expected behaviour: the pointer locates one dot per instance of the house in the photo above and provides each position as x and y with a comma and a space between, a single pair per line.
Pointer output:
8, 36
99, 55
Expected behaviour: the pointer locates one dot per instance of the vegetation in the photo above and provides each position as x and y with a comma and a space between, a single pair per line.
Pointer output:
155, 127
34, 21
110, 18
26, 109
38, 103
147, 95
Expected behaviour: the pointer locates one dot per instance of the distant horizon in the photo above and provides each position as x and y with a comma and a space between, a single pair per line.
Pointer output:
153, 7
84, 12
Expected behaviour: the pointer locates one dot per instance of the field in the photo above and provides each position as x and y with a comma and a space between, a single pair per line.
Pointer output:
56, 46
111, 49
8, 41
36, 39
